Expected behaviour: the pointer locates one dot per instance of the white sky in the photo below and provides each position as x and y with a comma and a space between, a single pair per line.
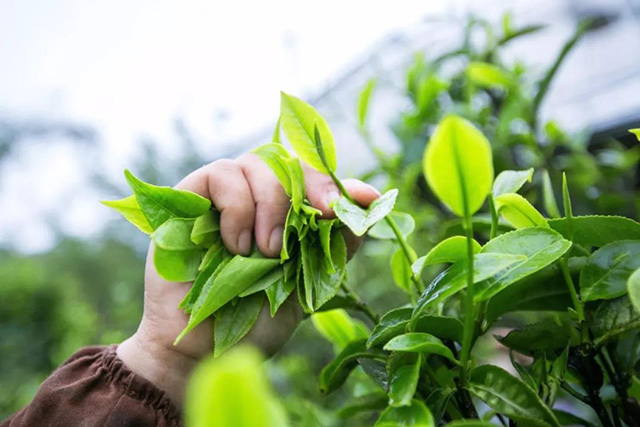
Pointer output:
130, 67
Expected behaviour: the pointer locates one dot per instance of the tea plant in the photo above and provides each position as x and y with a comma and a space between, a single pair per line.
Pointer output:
579, 274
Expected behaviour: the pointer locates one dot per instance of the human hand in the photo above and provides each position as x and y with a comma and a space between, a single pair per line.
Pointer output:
253, 207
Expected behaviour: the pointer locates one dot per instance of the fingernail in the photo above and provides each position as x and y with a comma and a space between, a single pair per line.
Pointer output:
331, 197
275, 240
244, 242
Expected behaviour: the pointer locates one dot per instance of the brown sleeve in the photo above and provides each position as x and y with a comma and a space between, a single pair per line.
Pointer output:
94, 388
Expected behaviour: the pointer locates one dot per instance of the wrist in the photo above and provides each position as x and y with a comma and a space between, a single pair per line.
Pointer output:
166, 368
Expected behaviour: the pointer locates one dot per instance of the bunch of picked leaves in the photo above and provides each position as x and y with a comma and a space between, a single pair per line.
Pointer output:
185, 230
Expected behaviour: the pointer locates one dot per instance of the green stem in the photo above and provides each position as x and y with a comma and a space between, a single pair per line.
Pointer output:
469, 320
577, 304
360, 304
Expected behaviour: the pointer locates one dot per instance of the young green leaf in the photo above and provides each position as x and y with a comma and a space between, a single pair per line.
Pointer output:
450, 250
568, 210
236, 276
548, 197
538, 246
518, 211
391, 324
419, 342
405, 222
206, 229
510, 396
488, 75
324, 229
607, 270
359, 220
336, 372
510, 181
597, 230
280, 290
131, 211
401, 269
442, 327
298, 120
320, 284
458, 165
159, 204
416, 415
234, 321
276, 133
636, 132
175, 256
403, 381
338, 327
633, 289
276, 156
363, 101
264, 282
206, 272
454, 279
235, 382
298, 191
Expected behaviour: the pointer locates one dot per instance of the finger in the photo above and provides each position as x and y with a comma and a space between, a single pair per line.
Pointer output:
272, 204
322, 191
224, 183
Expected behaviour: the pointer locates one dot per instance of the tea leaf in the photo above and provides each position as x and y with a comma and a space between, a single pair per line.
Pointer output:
336, 372
437, 401
612, 318
636, 132
324, 228
234, 321
510, 181
391, 324
548, 197
298, 120
363, 101
488, 75
369, 402
276, 156
280, 290
298, 192
454, 279
545, 290
212, 264
546, 337
338, 327
235, 382
401, 269
418, 342
510, 396
276, 133
442, 327
633, 289
405, 222
518, 211
359, 220
458, 166
236, 276
403, 381
320, 284
175, 256
159, 204
416, 415
130, 210
568, 419
450, 250
598, 230
607, 270
206, 229
264, 282
539, 247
